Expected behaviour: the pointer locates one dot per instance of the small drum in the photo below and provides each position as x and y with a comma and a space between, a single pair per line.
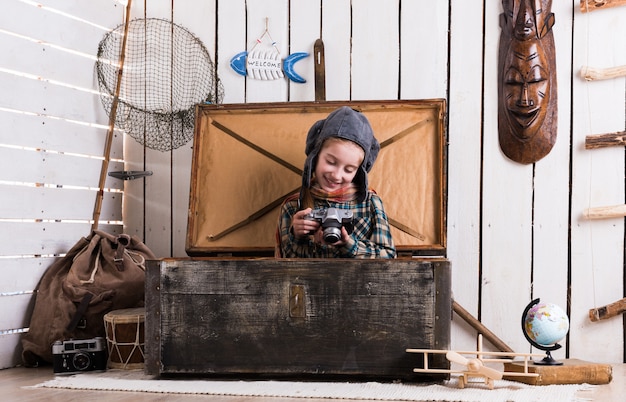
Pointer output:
125, 338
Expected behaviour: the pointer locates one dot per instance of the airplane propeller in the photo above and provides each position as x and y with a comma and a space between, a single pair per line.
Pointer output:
474, 365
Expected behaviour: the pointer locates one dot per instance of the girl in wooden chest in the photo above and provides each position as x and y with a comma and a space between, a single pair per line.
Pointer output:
335, 214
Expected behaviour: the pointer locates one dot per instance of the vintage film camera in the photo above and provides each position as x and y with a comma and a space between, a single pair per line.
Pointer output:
332, 219
79, 355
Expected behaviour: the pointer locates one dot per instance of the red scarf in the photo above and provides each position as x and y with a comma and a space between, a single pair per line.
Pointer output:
344, 194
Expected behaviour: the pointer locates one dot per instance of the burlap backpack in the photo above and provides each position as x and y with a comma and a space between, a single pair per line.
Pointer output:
101, 273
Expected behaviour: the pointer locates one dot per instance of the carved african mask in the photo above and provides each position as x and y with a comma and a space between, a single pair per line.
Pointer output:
526, 90
526, 80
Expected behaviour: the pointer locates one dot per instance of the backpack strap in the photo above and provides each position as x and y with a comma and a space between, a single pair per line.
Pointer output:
80, 311
121, 242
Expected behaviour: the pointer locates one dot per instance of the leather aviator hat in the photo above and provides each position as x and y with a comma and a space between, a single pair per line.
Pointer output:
348, 124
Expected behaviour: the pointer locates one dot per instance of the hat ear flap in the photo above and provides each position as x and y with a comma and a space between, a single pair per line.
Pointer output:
372, 155
360, 180
311, 150
307, 172
312, 136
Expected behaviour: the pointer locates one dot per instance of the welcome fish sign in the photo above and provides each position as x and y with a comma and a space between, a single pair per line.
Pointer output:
266, 63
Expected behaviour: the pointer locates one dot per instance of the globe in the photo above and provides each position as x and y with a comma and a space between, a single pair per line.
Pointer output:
546, 324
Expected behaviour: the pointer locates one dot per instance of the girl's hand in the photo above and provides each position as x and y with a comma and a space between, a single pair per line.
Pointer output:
301, 226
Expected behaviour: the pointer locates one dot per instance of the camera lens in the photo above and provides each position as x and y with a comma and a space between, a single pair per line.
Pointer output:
332, 235
81, 361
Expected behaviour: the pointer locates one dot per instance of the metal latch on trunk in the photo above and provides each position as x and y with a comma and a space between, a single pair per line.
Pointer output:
297, 302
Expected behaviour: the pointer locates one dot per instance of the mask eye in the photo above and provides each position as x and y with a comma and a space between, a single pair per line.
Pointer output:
513, 77
537, 74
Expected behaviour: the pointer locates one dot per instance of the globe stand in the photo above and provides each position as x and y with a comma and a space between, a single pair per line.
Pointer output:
548, 360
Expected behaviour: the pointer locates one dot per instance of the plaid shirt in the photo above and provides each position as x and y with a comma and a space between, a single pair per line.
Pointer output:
371, 237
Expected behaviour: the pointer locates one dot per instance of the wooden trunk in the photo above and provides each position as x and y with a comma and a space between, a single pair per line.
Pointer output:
295, 317
248, 158
230, 310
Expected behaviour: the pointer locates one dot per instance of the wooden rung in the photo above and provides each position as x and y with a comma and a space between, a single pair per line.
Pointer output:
592, 5
596, 74
605, 140
614, 211
608, 311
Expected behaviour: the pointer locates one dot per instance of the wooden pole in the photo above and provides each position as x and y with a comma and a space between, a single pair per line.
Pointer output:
478, 326
109, 140
592, 5
320, 71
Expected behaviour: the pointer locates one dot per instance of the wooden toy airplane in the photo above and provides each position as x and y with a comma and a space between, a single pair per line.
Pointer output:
475, 366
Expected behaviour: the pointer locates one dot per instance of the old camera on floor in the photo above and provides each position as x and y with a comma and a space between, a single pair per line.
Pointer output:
79, 355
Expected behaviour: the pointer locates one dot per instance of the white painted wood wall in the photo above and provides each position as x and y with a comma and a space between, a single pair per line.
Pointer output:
515, 232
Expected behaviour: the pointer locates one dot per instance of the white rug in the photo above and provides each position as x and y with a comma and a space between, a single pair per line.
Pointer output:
136, 380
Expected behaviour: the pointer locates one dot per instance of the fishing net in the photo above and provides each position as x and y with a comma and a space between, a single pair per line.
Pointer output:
166, 72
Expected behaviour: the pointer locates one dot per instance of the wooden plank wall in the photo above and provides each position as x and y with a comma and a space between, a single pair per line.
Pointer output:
515, 232
51, 146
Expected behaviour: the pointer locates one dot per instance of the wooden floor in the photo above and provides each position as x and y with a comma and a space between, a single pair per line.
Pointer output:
13, 381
